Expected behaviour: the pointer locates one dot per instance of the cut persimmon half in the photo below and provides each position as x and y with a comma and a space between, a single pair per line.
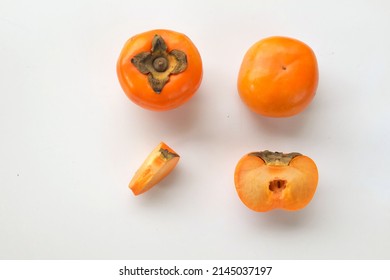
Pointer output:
160, 162
268, 180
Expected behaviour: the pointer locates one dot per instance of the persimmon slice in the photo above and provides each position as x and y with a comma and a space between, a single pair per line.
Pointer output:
160, 162
268, 180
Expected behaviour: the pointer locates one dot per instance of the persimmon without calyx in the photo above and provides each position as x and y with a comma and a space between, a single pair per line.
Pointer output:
268, 180
160, 162
278, 77
160, 69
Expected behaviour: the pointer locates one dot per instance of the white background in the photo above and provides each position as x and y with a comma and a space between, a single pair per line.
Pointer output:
70, 140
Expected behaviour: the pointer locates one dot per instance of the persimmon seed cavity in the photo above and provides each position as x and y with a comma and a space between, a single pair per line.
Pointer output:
277, 185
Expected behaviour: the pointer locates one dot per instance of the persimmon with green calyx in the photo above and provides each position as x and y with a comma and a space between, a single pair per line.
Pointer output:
160, 162
269, 180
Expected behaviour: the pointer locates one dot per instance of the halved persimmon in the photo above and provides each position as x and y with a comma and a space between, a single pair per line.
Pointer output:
160, 162
268, 180
159, 69
278, 77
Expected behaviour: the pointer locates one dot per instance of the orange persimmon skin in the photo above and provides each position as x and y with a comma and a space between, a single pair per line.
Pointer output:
180, 87
253, 179
278, 77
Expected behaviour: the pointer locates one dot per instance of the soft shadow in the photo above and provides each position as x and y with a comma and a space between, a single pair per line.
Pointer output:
178, 120
289, 127
286, 219
280, 220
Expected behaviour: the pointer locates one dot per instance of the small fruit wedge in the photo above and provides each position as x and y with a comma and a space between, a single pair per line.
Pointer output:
160, 162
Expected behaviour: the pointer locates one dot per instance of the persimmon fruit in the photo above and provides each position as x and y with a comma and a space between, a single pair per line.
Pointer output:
160, 162
159, 69
268, 180
278, 77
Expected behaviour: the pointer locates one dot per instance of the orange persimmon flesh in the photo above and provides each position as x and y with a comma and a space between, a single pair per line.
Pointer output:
263, 186
160, 162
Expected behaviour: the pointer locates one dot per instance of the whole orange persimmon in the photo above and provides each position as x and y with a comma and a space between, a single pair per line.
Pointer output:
278, 77
268, 180
159, 69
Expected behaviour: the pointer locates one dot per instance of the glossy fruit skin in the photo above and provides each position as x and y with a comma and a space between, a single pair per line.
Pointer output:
180, 87
278, 77
253, 179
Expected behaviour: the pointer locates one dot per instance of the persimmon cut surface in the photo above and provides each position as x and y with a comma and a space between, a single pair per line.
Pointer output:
160, 162
159, 69
268, 180
278, 77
